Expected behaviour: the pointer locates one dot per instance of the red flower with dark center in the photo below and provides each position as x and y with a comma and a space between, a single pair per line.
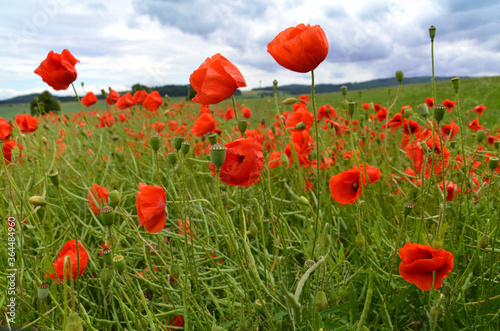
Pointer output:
125, 101
243, 164
346, 187
215, 80
429, 102
382, 114
58, 70
300, 49
89, 99
112, 97
99, 195
203, 124
5, 129
150, 204
76, 266
420, 262
153, 101
434, 159
410, 126
27, 123
474, 125
394, 122
479, 109
448, 131
449, 104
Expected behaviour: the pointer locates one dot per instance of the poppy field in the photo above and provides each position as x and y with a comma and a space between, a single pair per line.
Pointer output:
208, 214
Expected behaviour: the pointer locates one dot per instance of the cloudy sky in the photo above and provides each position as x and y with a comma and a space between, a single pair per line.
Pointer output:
158, 42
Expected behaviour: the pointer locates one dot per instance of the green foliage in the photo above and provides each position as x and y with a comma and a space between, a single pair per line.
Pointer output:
140, 87
44, 103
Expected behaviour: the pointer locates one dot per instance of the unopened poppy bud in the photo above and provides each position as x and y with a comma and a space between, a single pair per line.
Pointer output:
493, 163
185, 147
54, 177
300, 126
218, 155
107, 256
437, 243
242, 126
172, 158
320, 301
178, 140
480, 135
212, 138
15, 152
371, 106
284, 160
289, 101
73, 323
456, 83
432, 32
114, 198
351, 105
107, 215
483, 242
343, 89
38, 201
119, 263
303, 201
275, 84
439, 112
258, 306
43, 291
175, 271
423, 110
407, 113
407, 208
360, 241
253, 230
155, 142
105, 277
399, 76
263, 121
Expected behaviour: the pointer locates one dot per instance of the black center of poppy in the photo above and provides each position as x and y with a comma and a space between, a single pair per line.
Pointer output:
429, 255
241, 158
355, 187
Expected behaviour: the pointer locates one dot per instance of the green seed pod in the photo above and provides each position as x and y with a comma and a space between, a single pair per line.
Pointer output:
351, 105
493, 163
105, 277
185, 147
407, 208
439, 112
107, 215
54, 177
496, 144
178, 140
320, 301
38, 201
284, 160
289, 101
242, 126
456, 83
155, 142
399, 76
300, 126
118, 263
212, 138
483, 242
360, 241
43, 291
253, 230
172, 158
303, 201
107, 256
423, 110
343, 89
73, 322
218, 155
15, 153
480, 135
432, 32
114, 198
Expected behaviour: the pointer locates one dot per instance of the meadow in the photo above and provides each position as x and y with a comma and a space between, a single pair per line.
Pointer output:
343, 211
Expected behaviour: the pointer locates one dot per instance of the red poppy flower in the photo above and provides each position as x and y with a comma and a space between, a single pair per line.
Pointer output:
346, 187
247, 112
158, 126
7, 150
448, 131
243, 164
26, 123
274, 159
89, 99
125, 101
434, 159
150, 204
421, 261
450, 190
394, 122
188, 228
153, 101
5, 129
299, 115
229, 114
382, 114
58, 70
203, 124
429, 102
122, 118
479, 109
178, 321
326, 111
410, 126
106, 120
303, 144
97, 194
78, 262
449, 104
300, 49
139, 97
112, 97
215, 80
474, 125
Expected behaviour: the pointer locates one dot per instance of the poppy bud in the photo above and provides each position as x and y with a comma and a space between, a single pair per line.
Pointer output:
284, 160
242, 126
185, 147
38, 201
155, 142
456, 83
105, 277
43, 291
119, 263
399, 76
44, 141
320, 301
258, 306
73, 323
493, 163
212, 138
303, 201
360, 241
263, 121
480, 135
289, 101
407, 208
15, 154
439, 112
432, 32
437, 312
351, 105
300, 126
437, 243
178, 140
407, 113
115, 137
114, 198
343, 89
423, 110
253, 230
218, 155
275, 84
54, 177
107, 256
483, 242
107, 215
172, 158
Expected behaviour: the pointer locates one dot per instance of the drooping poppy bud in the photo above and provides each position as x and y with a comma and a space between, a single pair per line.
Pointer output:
423, 110
54, 177
38, 201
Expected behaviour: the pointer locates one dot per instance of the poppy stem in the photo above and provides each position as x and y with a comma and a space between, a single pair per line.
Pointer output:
234, 108
318, 156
